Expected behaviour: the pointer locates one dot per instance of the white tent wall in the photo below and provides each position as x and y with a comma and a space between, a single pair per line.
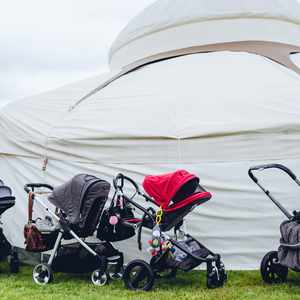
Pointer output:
238, 222
214, 114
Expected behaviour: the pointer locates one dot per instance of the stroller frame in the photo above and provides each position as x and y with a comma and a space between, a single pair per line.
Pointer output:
271, 269
42, 273
216, 274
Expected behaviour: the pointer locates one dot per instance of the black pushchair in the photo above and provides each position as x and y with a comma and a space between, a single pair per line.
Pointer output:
176, 194
275, 264
6, 250
79, 204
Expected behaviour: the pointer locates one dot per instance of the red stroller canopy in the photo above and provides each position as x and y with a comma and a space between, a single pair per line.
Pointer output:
162, 188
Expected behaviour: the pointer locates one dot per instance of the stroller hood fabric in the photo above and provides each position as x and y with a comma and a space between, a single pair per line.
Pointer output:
162, 188
290, 235
72, 197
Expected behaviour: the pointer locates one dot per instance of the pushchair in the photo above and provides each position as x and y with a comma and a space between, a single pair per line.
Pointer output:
6, 250
78, 207
275, 264
176, 194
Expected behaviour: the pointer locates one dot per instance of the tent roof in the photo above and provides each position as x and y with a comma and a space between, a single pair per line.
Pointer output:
180, 19
256, 97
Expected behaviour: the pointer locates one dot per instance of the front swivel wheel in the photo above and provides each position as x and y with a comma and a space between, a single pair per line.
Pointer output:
42, 274
99, 278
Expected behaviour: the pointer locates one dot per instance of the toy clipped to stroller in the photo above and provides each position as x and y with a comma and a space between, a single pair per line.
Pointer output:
275, 264
78, 206
176, 195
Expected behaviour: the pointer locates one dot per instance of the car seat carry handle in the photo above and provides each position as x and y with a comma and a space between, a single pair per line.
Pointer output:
271, 166
29, 187
119, 182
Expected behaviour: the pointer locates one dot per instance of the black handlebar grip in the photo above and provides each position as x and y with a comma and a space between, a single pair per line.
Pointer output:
116, 179
270, 166
26, 189
251, 175
29, 186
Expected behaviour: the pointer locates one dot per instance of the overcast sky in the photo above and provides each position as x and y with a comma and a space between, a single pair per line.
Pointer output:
48, 43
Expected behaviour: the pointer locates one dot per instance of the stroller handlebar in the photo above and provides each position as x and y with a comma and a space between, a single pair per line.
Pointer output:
29, 187
271, 166
118, 182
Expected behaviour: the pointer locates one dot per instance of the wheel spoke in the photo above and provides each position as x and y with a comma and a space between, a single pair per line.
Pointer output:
139, 276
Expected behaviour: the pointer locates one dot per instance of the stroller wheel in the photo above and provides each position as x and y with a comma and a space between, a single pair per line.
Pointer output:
14, 262
42, 274
213, 279
115, 269
271, 270
99, 278
138, 275
222, 273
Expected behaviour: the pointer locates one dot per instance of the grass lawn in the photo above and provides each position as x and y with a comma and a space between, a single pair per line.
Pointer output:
241, 285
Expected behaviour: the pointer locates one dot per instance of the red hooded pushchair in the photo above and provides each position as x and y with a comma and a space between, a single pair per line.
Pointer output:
176, 194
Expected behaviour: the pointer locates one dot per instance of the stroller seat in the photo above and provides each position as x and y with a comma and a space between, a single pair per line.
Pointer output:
195, 199
176, 194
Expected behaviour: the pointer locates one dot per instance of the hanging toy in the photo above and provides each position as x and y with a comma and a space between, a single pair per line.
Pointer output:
113, 220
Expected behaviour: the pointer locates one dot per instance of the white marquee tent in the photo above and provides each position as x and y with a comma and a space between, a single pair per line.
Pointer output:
209, 86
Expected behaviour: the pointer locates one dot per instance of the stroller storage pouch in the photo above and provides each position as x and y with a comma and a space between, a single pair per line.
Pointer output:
119, 231
73, 258
289, 250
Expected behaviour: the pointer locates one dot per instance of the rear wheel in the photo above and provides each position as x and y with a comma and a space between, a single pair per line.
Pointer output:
138, 275
272, 271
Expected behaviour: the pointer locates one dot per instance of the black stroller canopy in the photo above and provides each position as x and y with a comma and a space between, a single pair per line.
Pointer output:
77, 196
6, 198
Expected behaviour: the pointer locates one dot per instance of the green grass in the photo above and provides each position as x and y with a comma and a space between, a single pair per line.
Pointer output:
241, 285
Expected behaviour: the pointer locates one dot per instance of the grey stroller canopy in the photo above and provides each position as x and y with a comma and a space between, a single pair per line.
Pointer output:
81, 200
6, 198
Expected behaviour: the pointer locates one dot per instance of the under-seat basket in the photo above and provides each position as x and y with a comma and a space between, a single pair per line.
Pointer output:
182, 260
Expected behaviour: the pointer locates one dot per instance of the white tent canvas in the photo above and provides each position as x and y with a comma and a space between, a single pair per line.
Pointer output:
214, 114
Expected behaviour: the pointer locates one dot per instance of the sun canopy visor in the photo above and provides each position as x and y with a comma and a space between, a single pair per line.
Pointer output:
163, 188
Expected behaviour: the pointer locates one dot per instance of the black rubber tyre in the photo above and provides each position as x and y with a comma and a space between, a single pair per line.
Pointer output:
99, 278
42, 274
14, 262
223, 277
272, 272
212, 279
14, 265
138, 275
